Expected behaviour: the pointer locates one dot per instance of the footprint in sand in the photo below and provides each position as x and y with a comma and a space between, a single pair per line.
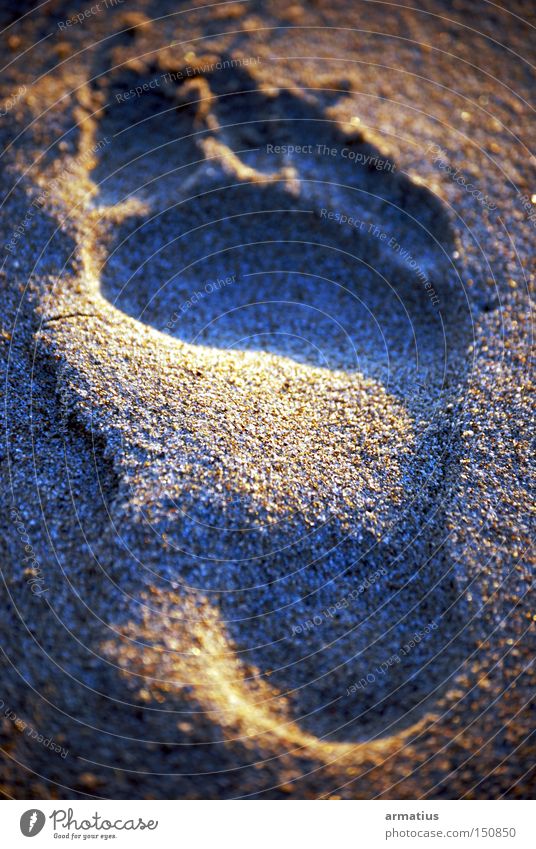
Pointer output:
309, 290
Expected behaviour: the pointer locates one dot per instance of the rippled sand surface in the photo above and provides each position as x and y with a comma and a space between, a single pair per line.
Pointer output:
268, 403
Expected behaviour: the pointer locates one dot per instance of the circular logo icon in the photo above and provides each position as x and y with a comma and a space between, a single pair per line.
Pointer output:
31, 822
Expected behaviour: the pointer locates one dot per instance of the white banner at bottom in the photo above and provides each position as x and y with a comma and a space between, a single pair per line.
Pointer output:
263, 824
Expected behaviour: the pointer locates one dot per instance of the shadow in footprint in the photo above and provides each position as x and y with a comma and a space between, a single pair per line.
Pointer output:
339, 264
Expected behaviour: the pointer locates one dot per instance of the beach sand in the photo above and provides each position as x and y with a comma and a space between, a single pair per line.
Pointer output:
267, 467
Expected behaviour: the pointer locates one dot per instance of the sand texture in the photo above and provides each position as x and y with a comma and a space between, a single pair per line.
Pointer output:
267, 401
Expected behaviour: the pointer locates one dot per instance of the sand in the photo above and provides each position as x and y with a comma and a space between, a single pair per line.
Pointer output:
267, 467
